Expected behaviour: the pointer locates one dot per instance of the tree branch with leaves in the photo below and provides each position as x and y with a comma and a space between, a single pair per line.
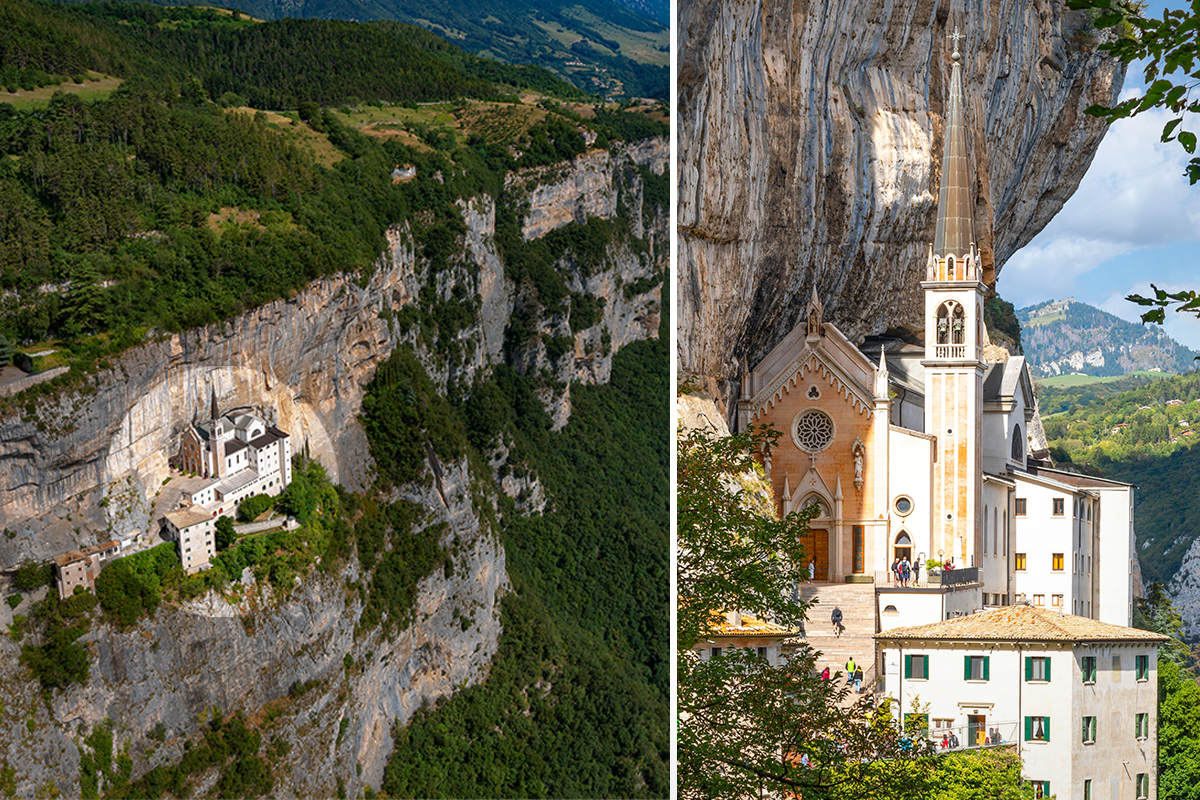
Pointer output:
1171, 49
746, 726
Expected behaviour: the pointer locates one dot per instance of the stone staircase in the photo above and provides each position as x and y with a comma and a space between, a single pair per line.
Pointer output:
857, 601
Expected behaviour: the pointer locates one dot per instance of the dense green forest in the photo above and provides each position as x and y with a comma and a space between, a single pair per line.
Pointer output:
266, 65
111, 211
1142, 432
608, 42
576, 701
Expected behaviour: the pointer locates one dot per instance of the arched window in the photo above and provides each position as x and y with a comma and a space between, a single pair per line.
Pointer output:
958, 327
950, 268
1018, 444
902, 540
943, 323
818, 501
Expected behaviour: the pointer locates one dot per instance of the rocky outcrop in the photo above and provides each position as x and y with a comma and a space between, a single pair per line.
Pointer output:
809, 136
88, 466
211, 654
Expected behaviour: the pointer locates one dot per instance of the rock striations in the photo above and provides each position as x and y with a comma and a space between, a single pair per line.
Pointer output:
88, 466
809, 137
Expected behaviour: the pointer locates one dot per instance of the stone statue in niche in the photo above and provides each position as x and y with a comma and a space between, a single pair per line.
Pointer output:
814, 312
860, 453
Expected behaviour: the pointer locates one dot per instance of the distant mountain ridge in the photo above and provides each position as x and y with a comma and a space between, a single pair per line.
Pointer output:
1061, 337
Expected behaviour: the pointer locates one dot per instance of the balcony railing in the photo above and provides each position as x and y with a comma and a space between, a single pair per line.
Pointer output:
958, 575
965, 737
951, 350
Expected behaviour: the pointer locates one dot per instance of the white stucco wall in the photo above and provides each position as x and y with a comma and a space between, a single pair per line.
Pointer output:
1039, 535
1006, 698
910, 474
1114, 559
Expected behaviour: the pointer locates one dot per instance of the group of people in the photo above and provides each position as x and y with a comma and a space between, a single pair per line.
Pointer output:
854, 674
990, 736
903, 572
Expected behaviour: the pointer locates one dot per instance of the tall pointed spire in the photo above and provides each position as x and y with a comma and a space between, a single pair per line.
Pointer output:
954, 234
214, 413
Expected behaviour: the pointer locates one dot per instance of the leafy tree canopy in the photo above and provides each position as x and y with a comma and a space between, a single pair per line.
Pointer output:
747, 727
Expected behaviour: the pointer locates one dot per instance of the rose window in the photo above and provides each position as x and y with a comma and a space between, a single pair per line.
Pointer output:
813, 431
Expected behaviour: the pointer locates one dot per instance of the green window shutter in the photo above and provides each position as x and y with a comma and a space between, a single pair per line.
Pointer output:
1085, 727
1028, 668
1045, 788
1047, 729
1047, 670
908, 666
986, 659
1028, 728
966, 668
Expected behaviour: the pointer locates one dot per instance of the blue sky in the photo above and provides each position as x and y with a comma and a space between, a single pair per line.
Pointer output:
1133, 221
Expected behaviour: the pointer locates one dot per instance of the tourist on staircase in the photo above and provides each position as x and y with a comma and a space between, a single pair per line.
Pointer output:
836, 618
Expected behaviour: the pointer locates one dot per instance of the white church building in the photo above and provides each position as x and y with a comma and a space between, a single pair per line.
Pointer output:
239, 455
921, 451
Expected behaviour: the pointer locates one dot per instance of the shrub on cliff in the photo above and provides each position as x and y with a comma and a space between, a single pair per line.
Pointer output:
253, 506
31, 575
129, 587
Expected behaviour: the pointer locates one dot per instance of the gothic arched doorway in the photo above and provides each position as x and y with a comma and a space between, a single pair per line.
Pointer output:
903, 547
816, 539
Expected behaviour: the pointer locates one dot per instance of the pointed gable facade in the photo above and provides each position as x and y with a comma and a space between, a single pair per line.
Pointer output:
820, 391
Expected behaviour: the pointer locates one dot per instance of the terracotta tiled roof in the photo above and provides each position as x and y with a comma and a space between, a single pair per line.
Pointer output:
1022, 624
752, 626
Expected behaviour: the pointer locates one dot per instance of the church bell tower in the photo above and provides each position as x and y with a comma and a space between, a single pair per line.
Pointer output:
953, 362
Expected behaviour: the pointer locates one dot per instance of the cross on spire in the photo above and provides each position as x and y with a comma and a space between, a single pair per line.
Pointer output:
956, 36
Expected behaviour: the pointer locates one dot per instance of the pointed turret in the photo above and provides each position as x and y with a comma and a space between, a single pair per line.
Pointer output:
214, 414
955, 236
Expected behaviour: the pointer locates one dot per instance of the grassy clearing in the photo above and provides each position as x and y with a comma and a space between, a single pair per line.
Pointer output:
290, 127
1060, 381
98, 87
645, 48
1046, 319
494, 121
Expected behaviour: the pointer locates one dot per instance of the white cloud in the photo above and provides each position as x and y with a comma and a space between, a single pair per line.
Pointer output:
1133, 198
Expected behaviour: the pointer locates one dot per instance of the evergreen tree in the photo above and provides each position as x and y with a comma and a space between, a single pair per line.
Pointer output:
225, 533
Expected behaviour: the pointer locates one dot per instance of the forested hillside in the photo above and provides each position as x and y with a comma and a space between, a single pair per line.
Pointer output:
576, 702
1142, 434
229, 165
1066, 336
604, 47
156, 208
267, 65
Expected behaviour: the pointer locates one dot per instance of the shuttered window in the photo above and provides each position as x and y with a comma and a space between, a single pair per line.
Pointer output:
975, 668
1037, 729
1037, 668
916, 667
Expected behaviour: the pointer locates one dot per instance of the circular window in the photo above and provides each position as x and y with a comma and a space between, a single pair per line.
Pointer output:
812, 430
904, 506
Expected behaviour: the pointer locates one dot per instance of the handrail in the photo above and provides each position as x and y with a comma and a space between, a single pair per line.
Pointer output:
959, 575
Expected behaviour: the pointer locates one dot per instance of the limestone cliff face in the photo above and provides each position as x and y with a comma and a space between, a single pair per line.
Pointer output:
809, 149
176, 667
88, 466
